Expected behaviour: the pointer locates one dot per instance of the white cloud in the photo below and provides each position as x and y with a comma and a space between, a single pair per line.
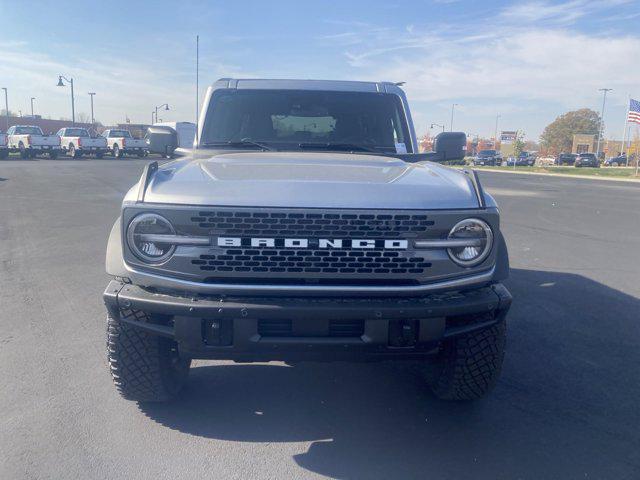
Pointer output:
560, 13
124, 88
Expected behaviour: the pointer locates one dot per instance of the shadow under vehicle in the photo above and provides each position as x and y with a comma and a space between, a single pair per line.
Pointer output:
551, 409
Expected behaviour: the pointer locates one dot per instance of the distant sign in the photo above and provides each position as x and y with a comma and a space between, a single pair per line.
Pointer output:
508, 138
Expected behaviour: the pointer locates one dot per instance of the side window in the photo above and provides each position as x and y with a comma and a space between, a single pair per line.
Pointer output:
11, 130
60, 132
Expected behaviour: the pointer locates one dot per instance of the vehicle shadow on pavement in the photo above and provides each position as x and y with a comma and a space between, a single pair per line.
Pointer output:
564, 407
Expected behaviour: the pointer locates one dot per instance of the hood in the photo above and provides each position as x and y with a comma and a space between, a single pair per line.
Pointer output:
309, 180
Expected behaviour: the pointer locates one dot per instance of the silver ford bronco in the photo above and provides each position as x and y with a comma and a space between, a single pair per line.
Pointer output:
305, 226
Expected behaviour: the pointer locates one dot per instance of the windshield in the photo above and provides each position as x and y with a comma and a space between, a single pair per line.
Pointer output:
486, 153
293, 119
77, 132
120, 133
28, 131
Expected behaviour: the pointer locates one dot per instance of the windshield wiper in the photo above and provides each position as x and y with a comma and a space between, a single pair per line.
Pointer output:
245, 142
347, 147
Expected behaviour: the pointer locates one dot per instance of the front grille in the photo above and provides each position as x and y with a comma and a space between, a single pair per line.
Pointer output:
311, 224
334, 328
310, 261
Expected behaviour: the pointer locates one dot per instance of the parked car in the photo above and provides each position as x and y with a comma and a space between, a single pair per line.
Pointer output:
488, 158
77, 142
4, 150
619, 161
29, 141
303, 244
525, 159
121, 143
566, 159
587, 160
545, 161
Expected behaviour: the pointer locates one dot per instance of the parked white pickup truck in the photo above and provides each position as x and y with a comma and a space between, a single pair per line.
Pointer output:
77, 142
4, 151
29, 141
121, 143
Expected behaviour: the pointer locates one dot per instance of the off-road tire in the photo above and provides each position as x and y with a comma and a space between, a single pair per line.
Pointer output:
53, 155
144, 367
468, 366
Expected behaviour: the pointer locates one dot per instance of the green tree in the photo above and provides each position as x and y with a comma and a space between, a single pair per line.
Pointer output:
558, 135
518, 144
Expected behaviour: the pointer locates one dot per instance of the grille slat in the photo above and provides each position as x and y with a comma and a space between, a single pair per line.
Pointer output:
311, 224
284, 328
311, 261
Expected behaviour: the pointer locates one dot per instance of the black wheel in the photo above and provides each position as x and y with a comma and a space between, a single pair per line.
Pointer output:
24, 153
468, 366
117, 153
53, 154
140, 154
144, 367
99, 155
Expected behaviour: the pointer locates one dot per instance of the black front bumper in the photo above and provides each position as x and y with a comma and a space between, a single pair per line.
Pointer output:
274, 328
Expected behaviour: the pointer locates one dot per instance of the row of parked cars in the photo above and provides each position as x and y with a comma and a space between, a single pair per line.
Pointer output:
590, 160
528, 159
493, 158
29, 141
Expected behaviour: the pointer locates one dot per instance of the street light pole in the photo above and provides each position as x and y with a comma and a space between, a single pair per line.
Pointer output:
600, 129
166, 107
32, 99
91, 94
6, 105
495, 135
73, 101
452, 107
437, 125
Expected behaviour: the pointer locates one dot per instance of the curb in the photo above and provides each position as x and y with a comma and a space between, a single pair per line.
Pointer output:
563, 175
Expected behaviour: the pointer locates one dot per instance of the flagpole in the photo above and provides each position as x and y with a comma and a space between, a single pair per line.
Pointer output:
624, 132
637, 159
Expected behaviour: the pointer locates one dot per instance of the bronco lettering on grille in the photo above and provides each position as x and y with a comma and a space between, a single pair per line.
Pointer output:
320, 243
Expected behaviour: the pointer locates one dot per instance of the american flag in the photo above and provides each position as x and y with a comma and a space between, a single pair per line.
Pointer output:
634, 111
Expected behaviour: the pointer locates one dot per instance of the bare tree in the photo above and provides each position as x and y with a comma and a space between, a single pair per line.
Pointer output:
83, 118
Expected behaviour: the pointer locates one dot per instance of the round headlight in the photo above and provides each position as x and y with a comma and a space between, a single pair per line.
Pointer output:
140, 237
480, 239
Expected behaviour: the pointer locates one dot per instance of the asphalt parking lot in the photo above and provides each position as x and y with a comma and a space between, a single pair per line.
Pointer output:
566, 405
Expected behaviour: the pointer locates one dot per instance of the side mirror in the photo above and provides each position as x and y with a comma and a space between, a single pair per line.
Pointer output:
162, 140
450, 146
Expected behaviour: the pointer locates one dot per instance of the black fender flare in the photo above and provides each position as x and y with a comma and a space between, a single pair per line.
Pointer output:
114, 261
502, 259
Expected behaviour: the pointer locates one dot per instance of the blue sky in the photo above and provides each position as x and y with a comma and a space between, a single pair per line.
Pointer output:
527, 61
